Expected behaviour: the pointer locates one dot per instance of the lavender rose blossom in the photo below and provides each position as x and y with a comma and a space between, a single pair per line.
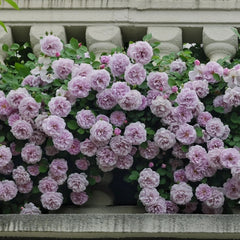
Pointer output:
50, 45
181, 193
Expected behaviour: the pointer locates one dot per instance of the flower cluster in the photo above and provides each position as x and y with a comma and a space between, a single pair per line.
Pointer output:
67, 118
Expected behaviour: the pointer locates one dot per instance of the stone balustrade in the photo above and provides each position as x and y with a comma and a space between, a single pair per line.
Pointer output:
218, 42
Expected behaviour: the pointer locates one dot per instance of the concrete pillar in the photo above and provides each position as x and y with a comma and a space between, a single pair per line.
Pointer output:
101, 39
5, 38
219, 42
170, 39
38, 31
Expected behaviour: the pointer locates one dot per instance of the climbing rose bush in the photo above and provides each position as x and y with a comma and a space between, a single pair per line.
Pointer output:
170, 123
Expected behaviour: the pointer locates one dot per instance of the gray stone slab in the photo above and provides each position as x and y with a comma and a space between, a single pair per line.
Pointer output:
121, 226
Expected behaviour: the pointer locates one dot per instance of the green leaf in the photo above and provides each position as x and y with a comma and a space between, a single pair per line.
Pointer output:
209, 108
162, 171
22, 69
156, 51
163, 181
92, 56
216, 77
126, 179
237, 144
144, 145
81, 131
185, 148
26, 45
31, 56
235, 118
72, 125
155, 44
49, 142
236, 139
3, 26
2, 138
35, 190
96, 65
43, 168
10, 137
199, 131
70, 52
173, 96
92, 181
87, 60
147, 37
134, 175
231, 143
13, 4
5, 47
74, 43
15, 46
91, 96
150, 131
38, 98
204, 180
171, 82
219, 109
64, 87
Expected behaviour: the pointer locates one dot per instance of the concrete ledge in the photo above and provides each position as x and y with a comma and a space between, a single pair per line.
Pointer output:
137, 4
96, 225
178, 13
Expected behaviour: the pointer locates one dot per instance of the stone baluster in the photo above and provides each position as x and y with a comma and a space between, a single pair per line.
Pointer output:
5, 38
38, 31
170, 39
219, 42
101, 39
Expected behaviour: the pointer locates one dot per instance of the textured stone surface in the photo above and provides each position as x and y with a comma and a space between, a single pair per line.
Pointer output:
5, 38
170, 39
103, 39
121, 225
219, 42
139, 4
160, 12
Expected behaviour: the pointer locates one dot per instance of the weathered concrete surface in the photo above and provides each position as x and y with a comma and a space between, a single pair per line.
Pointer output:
219, 42
121, 226
123, 12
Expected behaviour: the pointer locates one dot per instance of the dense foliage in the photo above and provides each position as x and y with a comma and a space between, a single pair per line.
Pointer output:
170, 122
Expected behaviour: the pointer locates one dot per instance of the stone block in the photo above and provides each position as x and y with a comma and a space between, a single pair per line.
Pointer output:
121, 225
170, 39
101, 39
219, 42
